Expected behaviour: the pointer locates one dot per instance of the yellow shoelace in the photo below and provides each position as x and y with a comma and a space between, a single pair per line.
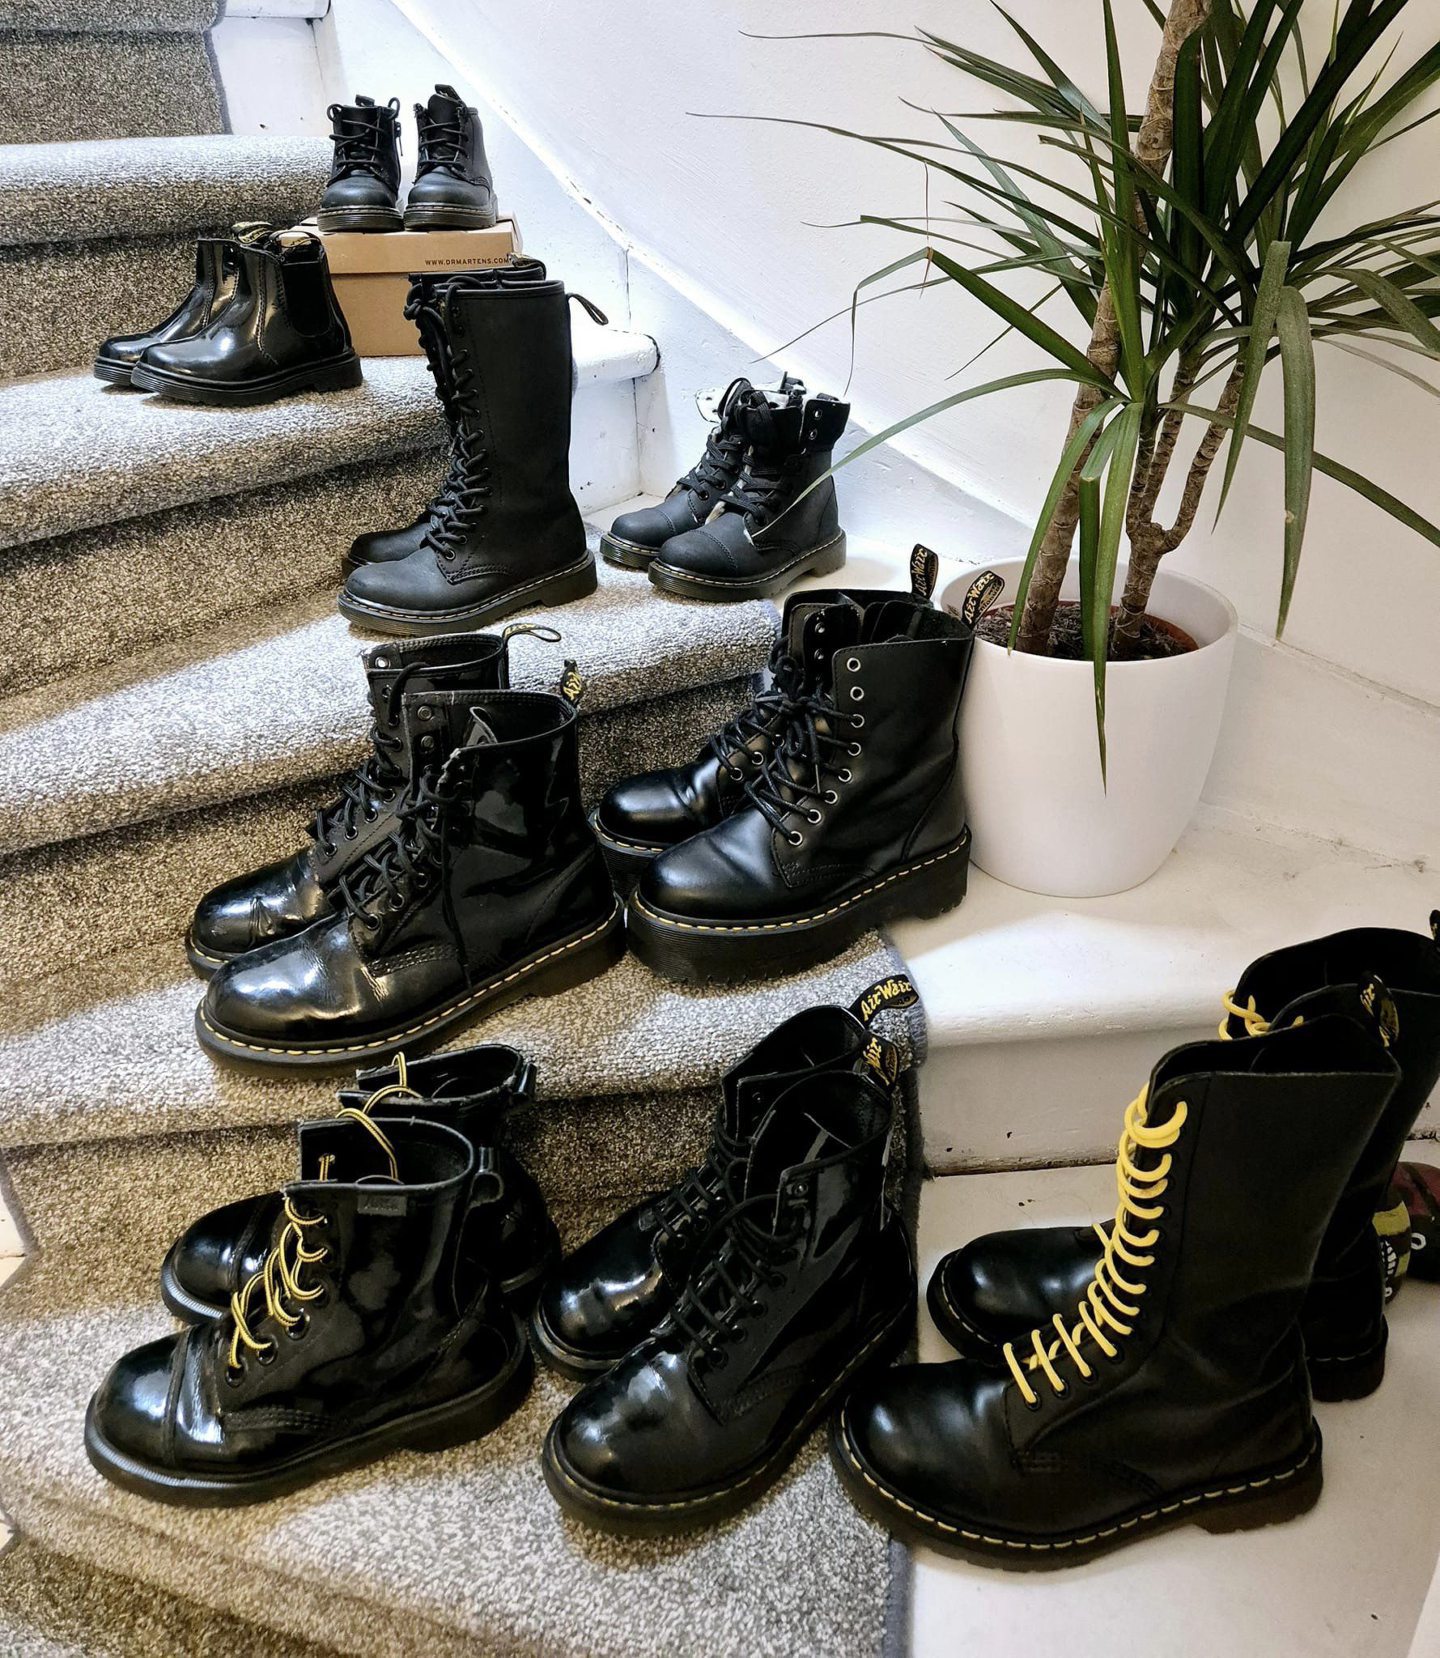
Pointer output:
1255, 1023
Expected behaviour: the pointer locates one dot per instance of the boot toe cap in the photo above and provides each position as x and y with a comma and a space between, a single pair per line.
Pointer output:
912, 1429
224, 923
646, 527
214, 1255
411, 582
700, 553
703, 879
274, 992
385, 546
648, 811
132, 1407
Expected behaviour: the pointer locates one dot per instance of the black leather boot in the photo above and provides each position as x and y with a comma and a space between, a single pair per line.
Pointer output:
635, 537
453, 189
1178, 1392
764, 536
489, 888
471, 1091
804, 1281
1001, 1285
374, 1326
281, 333
364, 182
856, 819
643, 816
615, 1289
286, 896
510, 535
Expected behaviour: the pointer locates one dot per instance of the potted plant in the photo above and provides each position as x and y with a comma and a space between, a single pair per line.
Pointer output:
1188, 239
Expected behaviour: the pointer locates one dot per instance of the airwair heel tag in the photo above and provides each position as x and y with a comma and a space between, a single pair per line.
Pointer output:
572, 684
1380, 1005
1435, 925
896, 991
980, 596
924, 572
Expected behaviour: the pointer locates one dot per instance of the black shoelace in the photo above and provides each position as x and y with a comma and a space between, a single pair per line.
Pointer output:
796, 775
759, 489
404, 867
692, 1201
461, 503
358, 142
425, 313
767, 713
748, 1258
713, 473
442, 140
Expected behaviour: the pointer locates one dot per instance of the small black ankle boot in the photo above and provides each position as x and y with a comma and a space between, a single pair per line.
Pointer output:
614, 1290
281, 333
453, 188
374, 1326
635, 537
764, 537
805, 1279
472, 1091
1001, 1285
365, 176
284, 897
856, 818
509, 534
489, 888
1179, 1390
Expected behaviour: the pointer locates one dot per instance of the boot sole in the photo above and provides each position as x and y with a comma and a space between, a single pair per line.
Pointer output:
688, 1510
709, 952
438, 1428
626, 860
205, 962
578, 581
560, 967
337, 374
1243, 1502
440, 217
113, 374
828, 557
565, 1361
360, 218
629, 555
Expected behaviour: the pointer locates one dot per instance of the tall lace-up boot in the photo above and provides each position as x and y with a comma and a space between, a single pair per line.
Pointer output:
641, 817
856, 819
471, 1091
364, 185
510, 535
489, 888
614, 1290
284, 897
772, 527
453, 188
998, 1286
635, 537
805, 1279
375, 1325
1178, 1390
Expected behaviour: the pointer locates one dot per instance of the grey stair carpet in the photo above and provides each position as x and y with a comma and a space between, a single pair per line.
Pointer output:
278, 697
85, 86
58, 907
117, 16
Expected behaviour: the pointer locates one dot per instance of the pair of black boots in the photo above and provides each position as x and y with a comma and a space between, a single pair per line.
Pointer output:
455, 873
1161, 1370
503, 532
376, 1303
756, 512
260, 322
453, 188
830, 805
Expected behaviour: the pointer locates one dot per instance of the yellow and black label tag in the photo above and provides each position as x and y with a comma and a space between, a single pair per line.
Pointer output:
883, 1058
572, 684
896, 991
980, 596
1380, 1005
924, 571
1435, 925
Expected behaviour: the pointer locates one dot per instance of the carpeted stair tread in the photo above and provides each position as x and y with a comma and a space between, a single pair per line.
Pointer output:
114, 16
278, 697
134, 187
80, 87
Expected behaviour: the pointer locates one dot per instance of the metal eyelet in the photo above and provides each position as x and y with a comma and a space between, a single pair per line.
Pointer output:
857, 722
853, 749
857, 693
266, 1354
299, 1327
830, 796
371, 813
819, 627
350, 834
853, 664
425, 712
234, 1375
846, 775
382, 661
795, 838
814, 815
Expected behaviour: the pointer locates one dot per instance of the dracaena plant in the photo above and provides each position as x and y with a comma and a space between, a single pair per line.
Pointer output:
1188, 238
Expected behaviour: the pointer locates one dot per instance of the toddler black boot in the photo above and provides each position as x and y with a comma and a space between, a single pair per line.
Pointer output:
374, 1326
635, 537
999, 1286
489, 888
764, 535
453, 188
281, 333
805, 1280
470, 1091
857, 818
1178, 1392
365, 174
509, 534
615, 1289
284, 897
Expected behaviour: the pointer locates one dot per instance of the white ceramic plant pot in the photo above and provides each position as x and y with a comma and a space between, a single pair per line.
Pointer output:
1040, 815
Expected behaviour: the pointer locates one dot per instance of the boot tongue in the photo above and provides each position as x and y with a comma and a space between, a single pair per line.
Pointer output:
785, 1143
770, 429
443, 103
362, 102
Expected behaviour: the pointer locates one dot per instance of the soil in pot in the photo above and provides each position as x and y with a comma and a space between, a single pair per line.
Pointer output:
1158, 638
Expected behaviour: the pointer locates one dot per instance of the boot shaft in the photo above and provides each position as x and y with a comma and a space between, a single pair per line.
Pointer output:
790, 449
366, 136
283, 298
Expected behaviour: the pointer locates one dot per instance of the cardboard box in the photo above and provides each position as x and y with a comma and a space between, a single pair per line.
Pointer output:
371, 272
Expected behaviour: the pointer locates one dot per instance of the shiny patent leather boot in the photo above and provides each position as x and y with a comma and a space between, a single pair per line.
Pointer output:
856, 819
1178, 1392
374, 1326
615, 1289
1000, 1285
281, 333
471, 1091
453, 187
364, 185
286, 896
804, 1281
635, 537
511, 535
768, 531
488, 888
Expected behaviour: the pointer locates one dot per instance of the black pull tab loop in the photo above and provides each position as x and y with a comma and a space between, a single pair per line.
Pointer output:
591, 309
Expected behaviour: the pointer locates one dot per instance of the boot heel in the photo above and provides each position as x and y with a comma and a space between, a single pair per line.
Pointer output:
475, 1418
1271, 1504
1354, 1376
831, 559
933, 889
576, 583
341, 376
